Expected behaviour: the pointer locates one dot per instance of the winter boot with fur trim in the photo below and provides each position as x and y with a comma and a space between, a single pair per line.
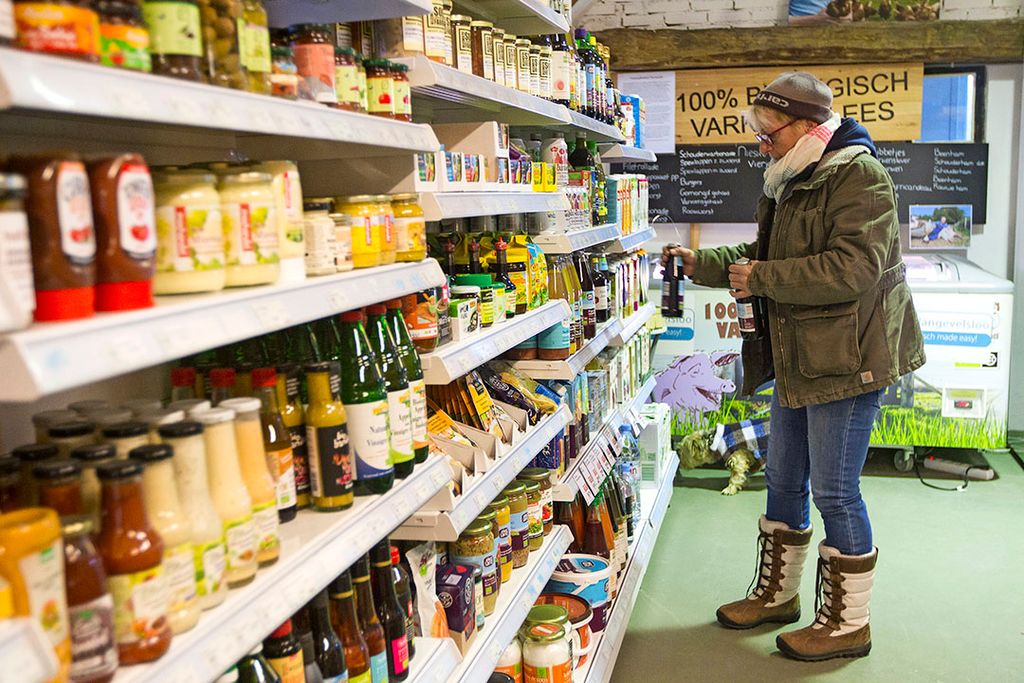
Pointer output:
773, 595
840, 627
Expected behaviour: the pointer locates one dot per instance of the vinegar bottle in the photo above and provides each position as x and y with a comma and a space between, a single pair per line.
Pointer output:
397, 384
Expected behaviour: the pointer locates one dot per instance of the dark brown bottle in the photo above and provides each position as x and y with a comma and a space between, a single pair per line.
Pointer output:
389, 611
751, 312
373, 632
346, 625
589, 298
327, 648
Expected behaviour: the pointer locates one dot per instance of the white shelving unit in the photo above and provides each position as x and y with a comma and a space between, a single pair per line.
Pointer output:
654, 504
595, 460
568, 242
574, 364
632, 324
618, 154
596, 130
51, 357
454, 360
315, 548
439, 206
627, 243
429, 525
286, 13
514, 603
522, 17
26, 651
178, 121
436, 659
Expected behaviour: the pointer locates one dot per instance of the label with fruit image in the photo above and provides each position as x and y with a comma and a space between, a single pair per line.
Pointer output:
74, 213
126, 47
179, 566
140, 604
380, 95
189, 238
210, 565
241, 542
43, 574
265, 519
250, 233
135, 212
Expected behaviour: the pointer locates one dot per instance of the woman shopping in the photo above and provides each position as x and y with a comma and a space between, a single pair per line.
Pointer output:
840, 327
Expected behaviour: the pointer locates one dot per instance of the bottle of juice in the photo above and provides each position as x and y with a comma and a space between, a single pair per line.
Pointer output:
327, 442
410, 360
397, 384
366, 404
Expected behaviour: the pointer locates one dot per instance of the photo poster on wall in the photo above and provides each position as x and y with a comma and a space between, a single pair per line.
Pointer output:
817, 12
942, 227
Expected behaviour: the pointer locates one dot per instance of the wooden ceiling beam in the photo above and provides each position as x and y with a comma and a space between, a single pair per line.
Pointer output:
870, 42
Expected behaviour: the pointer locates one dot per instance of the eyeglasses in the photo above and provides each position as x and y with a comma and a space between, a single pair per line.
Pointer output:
768, 138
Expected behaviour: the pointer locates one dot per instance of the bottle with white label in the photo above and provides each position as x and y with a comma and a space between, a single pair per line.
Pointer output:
397, 384
555, 151
230, 496
17, 296
163, 507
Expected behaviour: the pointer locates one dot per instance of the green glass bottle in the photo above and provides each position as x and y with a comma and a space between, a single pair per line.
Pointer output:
366, 404
303, 349
397, 384
410, 359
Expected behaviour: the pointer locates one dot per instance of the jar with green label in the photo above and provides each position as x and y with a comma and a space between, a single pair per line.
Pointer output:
475, 546
535, 515
249, 213
254, 44
346, 80
124, 38
519, 522
543, 477
488, 301
189, 233
176, 38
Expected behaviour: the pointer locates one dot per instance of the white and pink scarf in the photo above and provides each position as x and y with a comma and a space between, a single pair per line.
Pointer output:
808, 150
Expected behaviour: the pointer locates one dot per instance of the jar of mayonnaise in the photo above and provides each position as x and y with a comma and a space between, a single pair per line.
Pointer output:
190, 234
250, 229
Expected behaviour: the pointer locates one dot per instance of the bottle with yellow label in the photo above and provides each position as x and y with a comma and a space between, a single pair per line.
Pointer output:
367, 228
331, 470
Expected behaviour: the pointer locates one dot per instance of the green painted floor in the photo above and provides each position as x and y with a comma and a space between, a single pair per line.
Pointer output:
948, 603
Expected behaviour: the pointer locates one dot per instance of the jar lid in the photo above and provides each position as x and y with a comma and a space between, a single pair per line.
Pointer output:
214, 416
462, 17
400, 68
317, 204
118, 469
109, 417
9, 465
499, 502
179, 430
539, 474
161, 416
244, 404
547, 614
35, 452
355, 199
94, 452
481, 24
190, 404
478, 527
478, 280
347, 51
302, 28
12, 182
520, 42
546, 50
323, 366
264, 377
488, 515
183, 176
152, 452
75, 525
56, 469
69, 430
516, 488
184, 376
124, 430
543, 633
48, 418
245, 178
222, 377
90, 406
342, 219
146, 405
382, 198
532, 486
535, 47
403, 197
465, 290
280, 51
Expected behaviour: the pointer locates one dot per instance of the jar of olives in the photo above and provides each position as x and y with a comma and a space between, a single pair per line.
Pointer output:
176, 38
254, 40
223, 51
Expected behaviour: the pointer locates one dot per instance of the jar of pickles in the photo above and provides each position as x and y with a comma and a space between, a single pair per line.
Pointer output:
366, 228
346, 80
410, 227
250, 228
254, 39
519, 523
475, 546
222, 43
386, 217
542, 477
190, 234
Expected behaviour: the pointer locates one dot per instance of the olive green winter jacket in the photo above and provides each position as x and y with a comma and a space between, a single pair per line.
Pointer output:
841, 320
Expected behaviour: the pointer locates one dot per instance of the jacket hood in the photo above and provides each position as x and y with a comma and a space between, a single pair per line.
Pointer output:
851, 133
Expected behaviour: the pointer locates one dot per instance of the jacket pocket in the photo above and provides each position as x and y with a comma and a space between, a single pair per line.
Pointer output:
827, 339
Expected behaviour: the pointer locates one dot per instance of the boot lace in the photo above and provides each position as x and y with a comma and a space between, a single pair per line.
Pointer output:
763, 575
828, 588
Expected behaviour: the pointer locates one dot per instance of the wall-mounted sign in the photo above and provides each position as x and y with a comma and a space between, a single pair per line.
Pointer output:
886, 98
810, 12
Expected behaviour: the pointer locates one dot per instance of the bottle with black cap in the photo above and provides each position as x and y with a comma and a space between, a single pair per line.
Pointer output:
284, 653
327, 648
59, 483
28, 456
70, 435
390, 611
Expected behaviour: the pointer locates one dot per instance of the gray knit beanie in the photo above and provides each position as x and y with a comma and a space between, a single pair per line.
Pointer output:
798, 94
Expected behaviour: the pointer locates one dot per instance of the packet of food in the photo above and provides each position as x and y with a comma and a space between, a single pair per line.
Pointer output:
503, 391
428, 615
482, 404
441, 424
514, 378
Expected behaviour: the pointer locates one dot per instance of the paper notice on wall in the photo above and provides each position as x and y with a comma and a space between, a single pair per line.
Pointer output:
658, 90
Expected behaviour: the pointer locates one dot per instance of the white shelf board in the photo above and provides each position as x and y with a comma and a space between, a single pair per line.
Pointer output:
52, 357
285, 13
26, 651
568, 242
123, 107
436, 659
315, 548
618, 154
591, 464
574, 364
521, 17
632, 324
627, 243
654, 505
427, 525
439, 206
453, 360
514, 603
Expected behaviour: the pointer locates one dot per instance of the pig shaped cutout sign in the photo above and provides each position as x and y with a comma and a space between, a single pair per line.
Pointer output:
691, 383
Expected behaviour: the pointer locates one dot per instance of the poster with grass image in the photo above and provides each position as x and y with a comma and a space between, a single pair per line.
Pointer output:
938, 226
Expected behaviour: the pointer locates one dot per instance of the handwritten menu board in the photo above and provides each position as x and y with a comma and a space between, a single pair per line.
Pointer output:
722, 183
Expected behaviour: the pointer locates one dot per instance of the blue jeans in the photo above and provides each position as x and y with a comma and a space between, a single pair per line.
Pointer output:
820, 450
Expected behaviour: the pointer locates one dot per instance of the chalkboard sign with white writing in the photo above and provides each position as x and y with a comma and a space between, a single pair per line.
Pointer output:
722, 183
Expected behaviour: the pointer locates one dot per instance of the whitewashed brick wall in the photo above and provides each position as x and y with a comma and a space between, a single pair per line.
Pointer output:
697, 14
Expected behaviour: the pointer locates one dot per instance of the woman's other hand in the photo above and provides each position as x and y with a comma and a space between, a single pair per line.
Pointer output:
738, 277
689, 257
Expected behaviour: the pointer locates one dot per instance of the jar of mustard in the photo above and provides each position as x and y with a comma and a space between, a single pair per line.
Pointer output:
475, 546
503, 516
249, 212
534, 515
519, 523
367, 230
189, 232
386, 218
410, 227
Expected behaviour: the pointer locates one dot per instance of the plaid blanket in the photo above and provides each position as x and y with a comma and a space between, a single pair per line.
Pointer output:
749, 434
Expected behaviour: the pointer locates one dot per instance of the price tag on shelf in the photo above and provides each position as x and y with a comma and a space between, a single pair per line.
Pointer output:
616, 443
584, 487
272, 314
339, 299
